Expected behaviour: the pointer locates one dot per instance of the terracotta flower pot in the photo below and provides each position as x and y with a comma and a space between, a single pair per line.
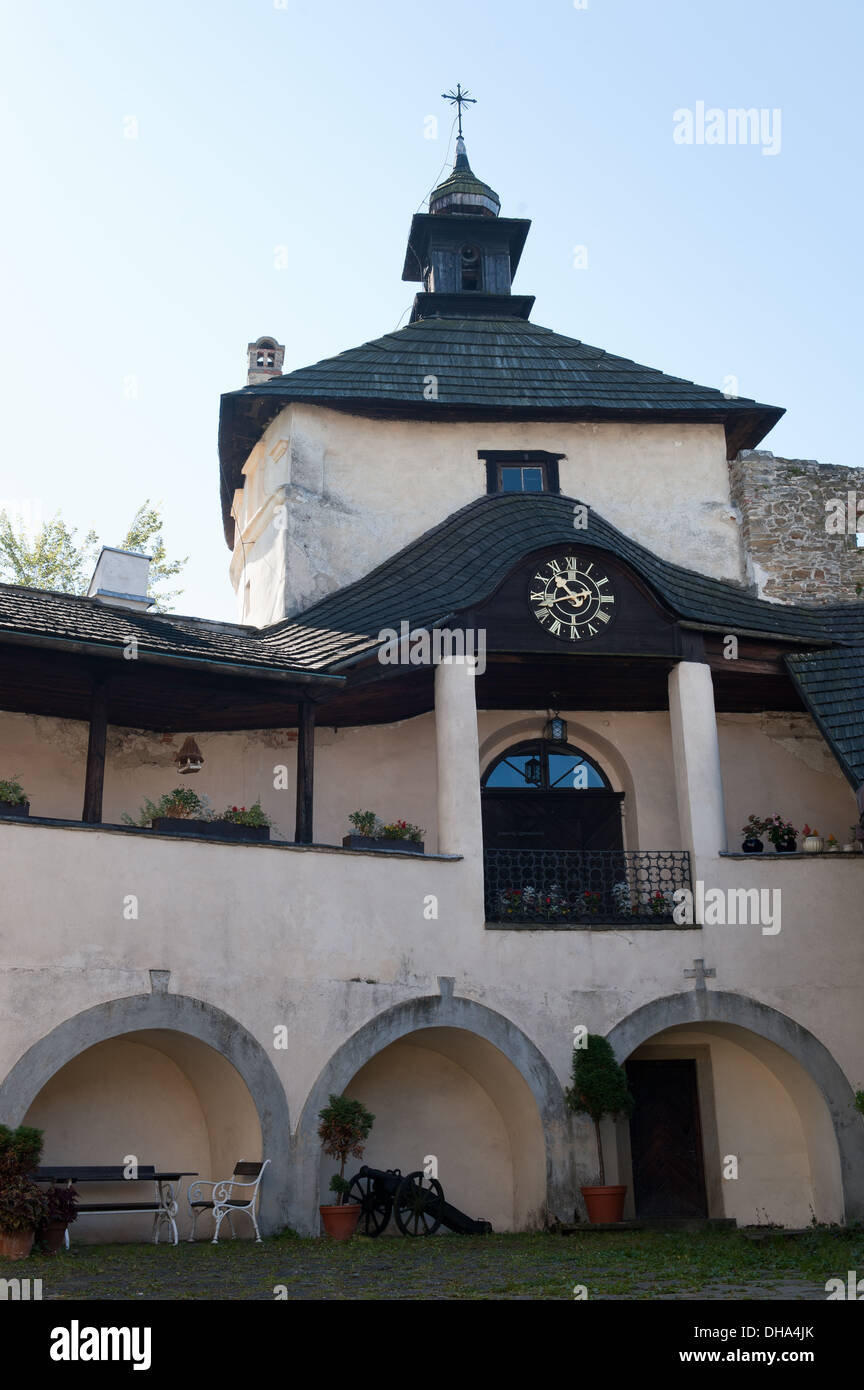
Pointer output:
341, 1222
52, 1237
16, 1245
604, 1203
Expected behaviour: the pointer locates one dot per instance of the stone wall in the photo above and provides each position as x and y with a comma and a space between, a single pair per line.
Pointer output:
791, 554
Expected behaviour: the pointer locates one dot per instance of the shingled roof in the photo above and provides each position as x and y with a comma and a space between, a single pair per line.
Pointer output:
486, 368
831, 683
456, 566
461, 562
88, 624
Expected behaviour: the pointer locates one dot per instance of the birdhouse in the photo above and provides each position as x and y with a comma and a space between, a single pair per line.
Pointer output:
190, 758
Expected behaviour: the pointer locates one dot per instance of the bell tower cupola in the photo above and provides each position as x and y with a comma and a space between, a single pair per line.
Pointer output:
462, 251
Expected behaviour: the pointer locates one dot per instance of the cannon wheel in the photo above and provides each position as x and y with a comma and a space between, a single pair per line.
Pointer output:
377, 1205
418, 1205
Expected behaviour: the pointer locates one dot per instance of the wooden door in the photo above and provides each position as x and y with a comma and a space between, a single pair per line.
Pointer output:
666, 1140
552, 820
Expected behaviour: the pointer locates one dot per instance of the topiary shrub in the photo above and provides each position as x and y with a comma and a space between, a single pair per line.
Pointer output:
599, 1087
344, 1127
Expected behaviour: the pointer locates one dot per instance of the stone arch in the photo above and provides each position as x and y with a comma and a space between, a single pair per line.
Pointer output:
591, 742
171, 1014
412, 1018
751, 1016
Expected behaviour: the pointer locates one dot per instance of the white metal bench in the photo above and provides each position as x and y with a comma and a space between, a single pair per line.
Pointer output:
222, 1202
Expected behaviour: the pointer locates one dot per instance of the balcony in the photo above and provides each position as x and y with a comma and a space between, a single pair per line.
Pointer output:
561, 888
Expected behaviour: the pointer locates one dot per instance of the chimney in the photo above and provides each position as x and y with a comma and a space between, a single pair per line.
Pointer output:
120, 579
265, 360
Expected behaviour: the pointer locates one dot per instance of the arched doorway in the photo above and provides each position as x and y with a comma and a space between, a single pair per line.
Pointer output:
155, 1097
497, 1059
223, 1082
767, 1114
447, 1095
539, 795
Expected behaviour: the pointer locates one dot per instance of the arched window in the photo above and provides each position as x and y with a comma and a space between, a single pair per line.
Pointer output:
538, 765
472, 268
266, 352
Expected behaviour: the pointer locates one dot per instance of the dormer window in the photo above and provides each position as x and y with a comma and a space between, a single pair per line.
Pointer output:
472, 268
521, 470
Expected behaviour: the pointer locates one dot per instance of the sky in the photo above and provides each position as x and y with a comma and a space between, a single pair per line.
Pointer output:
181, 179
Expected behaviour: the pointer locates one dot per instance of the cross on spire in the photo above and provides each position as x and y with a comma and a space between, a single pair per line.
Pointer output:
459, 99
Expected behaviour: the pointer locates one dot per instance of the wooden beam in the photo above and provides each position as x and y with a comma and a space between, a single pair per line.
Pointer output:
305, 771
94, 777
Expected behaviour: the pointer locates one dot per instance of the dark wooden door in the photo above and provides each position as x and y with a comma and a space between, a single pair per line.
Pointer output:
552, 820
666, 1140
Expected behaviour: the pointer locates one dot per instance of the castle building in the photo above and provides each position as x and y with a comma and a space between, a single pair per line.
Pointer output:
561, 613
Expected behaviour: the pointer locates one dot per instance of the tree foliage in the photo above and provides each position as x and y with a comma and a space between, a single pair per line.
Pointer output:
344, 1127
599, 1087
53, 558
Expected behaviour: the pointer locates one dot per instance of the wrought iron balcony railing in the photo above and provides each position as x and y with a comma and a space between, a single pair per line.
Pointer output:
550, 886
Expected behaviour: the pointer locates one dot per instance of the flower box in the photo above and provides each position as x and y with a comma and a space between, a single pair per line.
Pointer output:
209, 829
14, 808
377, 842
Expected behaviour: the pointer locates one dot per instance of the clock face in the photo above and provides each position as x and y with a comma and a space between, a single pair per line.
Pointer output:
572, 598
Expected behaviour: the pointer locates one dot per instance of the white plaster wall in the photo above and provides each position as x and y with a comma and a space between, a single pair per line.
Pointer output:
325, 940
425, 1104
775, 762
357, 490
391, 769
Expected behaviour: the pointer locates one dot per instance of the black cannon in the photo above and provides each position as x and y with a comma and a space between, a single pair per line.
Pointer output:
416, 1201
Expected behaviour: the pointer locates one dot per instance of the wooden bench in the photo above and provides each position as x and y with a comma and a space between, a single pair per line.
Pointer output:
163, 1204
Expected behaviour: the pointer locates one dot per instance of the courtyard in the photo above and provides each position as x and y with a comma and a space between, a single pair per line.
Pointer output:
640, 1265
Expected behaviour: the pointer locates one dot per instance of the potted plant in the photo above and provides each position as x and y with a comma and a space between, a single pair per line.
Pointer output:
22, 1204
812, 842
751, 831
851, 844
371, 833
781, 833
185, 812
344, 1128
832, 844
13, 798
599, 1088
61, 1211
251, 822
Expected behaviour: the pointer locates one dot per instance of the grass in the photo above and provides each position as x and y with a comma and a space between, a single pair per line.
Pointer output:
631, 1265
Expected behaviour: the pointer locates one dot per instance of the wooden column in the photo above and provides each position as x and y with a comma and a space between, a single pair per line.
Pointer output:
94, 777
305, 771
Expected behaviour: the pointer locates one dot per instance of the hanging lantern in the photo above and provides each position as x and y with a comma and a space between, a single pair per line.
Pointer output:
190, 758
555, 728
533, 772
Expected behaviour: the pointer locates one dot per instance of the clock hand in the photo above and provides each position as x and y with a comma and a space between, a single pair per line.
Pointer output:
577, 598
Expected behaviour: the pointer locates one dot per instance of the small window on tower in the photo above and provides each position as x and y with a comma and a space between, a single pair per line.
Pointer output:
521, 471
472, 268
515, 479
